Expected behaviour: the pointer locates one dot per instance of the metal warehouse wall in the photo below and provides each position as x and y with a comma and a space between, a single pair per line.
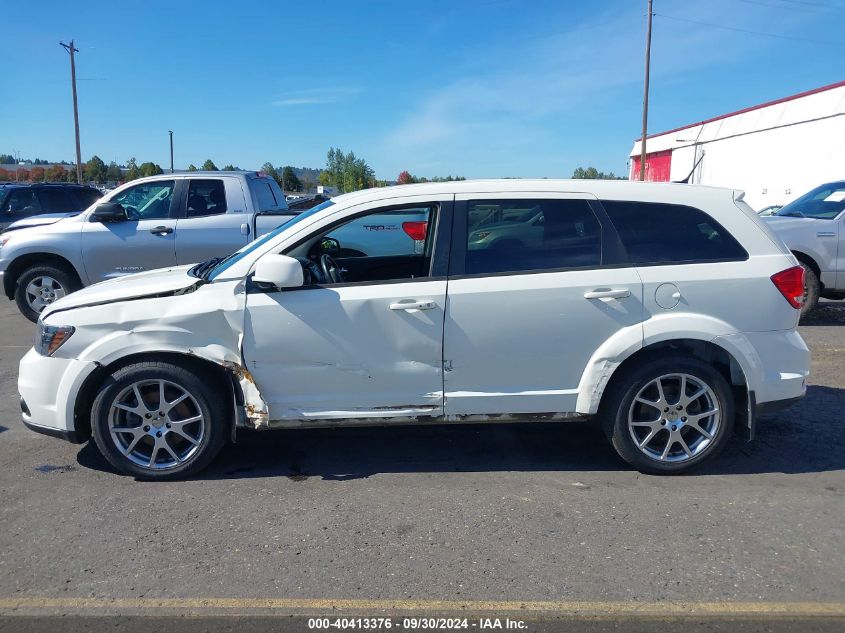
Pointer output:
771, 166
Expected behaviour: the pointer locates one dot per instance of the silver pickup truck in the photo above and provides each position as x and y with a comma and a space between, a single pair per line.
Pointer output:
156, 222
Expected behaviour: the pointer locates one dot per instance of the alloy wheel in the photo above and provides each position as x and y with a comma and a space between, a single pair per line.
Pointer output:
156, 424
674, 418
42, 291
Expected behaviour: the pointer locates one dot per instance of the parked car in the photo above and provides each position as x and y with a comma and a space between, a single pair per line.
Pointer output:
634, 309
149, 223
812, 227
23, 201
772, 209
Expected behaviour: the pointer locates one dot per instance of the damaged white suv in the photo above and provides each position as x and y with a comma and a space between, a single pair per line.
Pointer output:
667, 312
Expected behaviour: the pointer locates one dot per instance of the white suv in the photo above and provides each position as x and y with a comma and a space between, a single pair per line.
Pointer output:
667, 312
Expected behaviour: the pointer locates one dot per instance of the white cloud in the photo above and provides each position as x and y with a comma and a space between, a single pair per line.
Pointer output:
316, 96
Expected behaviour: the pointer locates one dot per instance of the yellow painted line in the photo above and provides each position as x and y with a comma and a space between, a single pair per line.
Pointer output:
539, 608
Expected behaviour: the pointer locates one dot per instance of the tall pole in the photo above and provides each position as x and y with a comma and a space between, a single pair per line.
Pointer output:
645, 93
71, 49
170, 132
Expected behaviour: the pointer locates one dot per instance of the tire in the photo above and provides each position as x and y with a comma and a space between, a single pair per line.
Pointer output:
625, 419
811, 289
140, 450
50, 282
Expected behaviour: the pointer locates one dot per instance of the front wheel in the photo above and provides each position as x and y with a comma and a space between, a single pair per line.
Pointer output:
669, 414
39, 286
158, 421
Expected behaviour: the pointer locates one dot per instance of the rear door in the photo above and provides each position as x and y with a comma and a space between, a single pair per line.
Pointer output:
143, 242
527, 309
213, 221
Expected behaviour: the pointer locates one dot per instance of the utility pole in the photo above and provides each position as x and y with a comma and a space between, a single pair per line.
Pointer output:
645, 93
171, 150
71, 49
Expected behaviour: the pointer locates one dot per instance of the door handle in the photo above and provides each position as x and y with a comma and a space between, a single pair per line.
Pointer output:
621, 293
161, 230
825, 234
412, 305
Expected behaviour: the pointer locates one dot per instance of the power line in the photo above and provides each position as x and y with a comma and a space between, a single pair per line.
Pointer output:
800, 7
739, 30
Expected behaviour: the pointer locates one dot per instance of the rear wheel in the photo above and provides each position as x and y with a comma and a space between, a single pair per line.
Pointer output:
39, 286
158, 421
669, 414
811, 289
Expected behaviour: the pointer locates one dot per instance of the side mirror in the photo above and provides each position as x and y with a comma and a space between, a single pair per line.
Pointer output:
280, 271
329, 245
109, 212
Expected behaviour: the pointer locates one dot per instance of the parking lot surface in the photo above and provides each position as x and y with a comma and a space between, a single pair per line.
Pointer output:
469, 513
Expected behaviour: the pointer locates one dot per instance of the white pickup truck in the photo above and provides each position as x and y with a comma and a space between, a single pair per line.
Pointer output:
813, 228
149, 223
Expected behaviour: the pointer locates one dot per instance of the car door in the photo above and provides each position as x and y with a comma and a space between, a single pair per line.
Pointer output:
525, 312
212, 221
144, 241
363, 349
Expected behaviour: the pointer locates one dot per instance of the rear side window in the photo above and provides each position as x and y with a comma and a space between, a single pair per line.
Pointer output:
206, 197
266, 197
522, 235
654, 233
54, 201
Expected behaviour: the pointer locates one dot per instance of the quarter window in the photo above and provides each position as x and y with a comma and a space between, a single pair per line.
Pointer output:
206, 197
655, 233
523, 235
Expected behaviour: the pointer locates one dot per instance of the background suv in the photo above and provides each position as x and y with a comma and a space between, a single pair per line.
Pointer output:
20, 201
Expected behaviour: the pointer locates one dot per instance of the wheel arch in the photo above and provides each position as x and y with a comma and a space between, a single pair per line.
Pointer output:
804, 258
224, 377
21, 263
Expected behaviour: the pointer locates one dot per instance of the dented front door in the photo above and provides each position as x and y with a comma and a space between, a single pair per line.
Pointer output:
359, 351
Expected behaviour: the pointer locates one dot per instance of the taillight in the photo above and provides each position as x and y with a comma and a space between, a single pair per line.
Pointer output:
415, 230
790, 282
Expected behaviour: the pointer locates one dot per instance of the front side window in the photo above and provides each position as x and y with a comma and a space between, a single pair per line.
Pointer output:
384, 234
147, 201
528, 235
822, 203
206, 197
656, 233
21, 203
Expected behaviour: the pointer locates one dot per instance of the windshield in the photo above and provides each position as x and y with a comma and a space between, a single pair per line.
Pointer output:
822, 203
223, 264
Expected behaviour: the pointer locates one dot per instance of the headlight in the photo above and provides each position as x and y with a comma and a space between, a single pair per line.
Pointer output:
50, 338
3, 239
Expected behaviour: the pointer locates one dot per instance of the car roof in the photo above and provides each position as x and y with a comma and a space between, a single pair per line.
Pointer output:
24, 185
613, 189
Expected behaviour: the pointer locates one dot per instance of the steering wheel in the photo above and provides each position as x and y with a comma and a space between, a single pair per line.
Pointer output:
330, 269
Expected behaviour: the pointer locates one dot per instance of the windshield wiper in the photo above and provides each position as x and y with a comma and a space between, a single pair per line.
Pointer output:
201, 270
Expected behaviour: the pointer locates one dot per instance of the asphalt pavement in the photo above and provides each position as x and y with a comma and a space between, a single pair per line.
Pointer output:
415, 520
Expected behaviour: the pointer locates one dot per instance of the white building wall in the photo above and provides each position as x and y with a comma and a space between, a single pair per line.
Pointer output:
774, 153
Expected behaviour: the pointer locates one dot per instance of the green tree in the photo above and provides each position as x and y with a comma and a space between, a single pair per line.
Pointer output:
192, 167
346, 172
591, 173
113, 173
267, 168
132, 171
149, 169
289, 180
94, 170
230, 167
209, 165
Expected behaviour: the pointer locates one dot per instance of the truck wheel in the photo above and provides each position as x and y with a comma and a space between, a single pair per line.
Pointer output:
158, 421
811, 289
668, 414
39, 286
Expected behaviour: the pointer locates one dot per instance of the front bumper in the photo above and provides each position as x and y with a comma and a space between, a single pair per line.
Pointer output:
49, 387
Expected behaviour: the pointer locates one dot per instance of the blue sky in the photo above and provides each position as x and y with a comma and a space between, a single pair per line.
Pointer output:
489, 88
